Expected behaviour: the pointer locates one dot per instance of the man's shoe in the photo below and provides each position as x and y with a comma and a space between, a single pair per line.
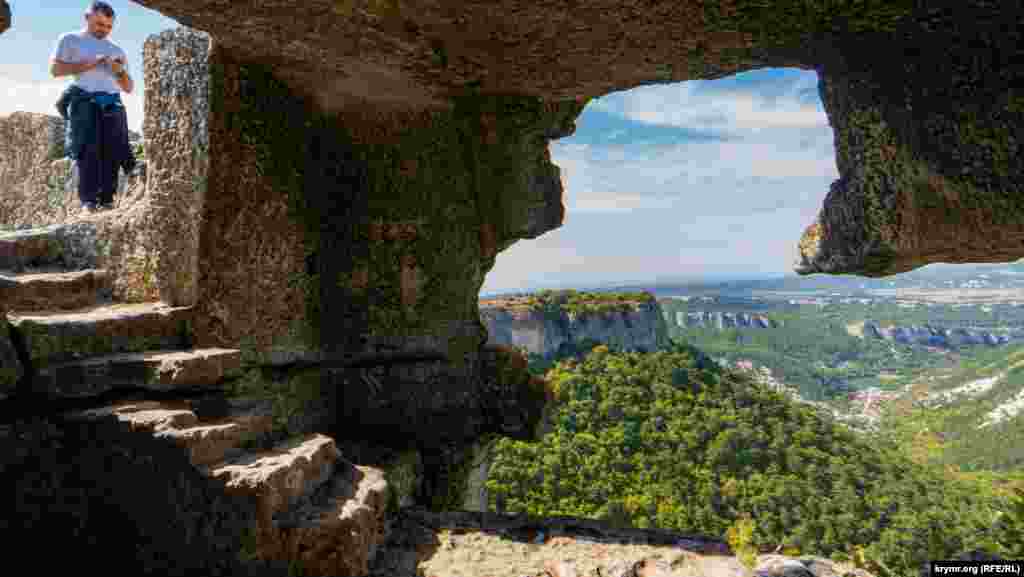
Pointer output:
106, 207
89, 207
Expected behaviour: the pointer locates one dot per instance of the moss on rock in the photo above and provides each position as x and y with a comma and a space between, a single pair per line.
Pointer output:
404, 475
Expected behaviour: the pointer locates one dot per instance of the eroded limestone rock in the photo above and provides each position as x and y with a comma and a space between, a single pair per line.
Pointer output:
67, 290
279, 478
37, 183
153, 370
929, 162
52, 338
177, 145
339, 530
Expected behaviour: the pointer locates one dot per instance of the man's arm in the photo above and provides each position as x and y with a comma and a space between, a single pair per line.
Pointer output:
121, 75
125, 82
59, 68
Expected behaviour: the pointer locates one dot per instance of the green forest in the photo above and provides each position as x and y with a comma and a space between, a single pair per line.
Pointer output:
672, 440
814, 351
576, 302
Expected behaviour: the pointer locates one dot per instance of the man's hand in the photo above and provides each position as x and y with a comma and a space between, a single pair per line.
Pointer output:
117, 65
58, 68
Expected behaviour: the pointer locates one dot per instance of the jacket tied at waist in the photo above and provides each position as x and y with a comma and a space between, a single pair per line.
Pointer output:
83, 111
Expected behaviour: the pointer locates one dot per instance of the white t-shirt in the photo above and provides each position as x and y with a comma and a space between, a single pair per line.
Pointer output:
75, 47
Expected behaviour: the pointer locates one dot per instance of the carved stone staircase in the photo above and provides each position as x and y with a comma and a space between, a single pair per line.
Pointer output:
313, 507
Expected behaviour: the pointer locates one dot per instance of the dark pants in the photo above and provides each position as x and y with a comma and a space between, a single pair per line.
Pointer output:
96, 168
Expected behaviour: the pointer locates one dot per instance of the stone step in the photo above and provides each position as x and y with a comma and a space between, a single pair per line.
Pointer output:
59, 337
338, 531
215, 443
145, 416
279, 478
154, 370
180, 421
71, 246
55, 290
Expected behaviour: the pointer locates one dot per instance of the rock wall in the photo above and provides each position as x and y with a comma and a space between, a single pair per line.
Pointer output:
177, 138
89, 488
326, 237
930, 165
37, 184
928, 162
641, 328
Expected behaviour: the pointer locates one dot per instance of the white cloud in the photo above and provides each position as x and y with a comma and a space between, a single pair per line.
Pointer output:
732, 112
40, 97
644, 210
589, 201
716, 177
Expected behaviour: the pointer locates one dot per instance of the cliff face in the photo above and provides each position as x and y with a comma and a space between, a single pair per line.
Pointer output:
937, 336
721, 320
542, 332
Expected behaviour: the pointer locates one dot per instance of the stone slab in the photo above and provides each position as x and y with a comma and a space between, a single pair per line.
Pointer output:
71, 245
32, 247
207, 441
338, 532
281, 477
214, 443
145, 416
59, 337
153, 370
61, 291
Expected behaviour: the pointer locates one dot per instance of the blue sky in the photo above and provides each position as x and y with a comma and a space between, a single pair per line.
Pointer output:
25, 82
685, 180
702, 178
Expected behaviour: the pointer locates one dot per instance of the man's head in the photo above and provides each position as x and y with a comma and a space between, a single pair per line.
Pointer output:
99, 19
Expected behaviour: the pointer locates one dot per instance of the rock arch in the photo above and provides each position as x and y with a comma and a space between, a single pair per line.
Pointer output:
367, 160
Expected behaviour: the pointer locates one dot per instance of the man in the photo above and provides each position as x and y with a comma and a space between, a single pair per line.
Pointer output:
97, 126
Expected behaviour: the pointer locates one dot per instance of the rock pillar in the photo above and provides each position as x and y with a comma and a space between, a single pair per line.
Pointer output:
365, 234
177, 149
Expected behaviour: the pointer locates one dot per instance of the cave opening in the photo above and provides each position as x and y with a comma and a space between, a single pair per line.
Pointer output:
669, 182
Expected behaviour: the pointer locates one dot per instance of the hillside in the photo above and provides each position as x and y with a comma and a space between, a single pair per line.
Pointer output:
669, 439
967, 418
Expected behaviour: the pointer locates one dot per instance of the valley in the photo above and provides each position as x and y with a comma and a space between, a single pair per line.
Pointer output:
835, 422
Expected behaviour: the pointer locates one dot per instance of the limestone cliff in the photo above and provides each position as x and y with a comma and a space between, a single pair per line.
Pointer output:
939, 336
545, 330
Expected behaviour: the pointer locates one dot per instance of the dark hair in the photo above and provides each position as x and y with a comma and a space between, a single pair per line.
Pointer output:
101, 7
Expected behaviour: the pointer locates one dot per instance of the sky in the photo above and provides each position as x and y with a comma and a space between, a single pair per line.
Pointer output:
676, 181
25, 81
679, 181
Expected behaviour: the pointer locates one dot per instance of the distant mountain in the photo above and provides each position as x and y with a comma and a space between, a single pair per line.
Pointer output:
936, 275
